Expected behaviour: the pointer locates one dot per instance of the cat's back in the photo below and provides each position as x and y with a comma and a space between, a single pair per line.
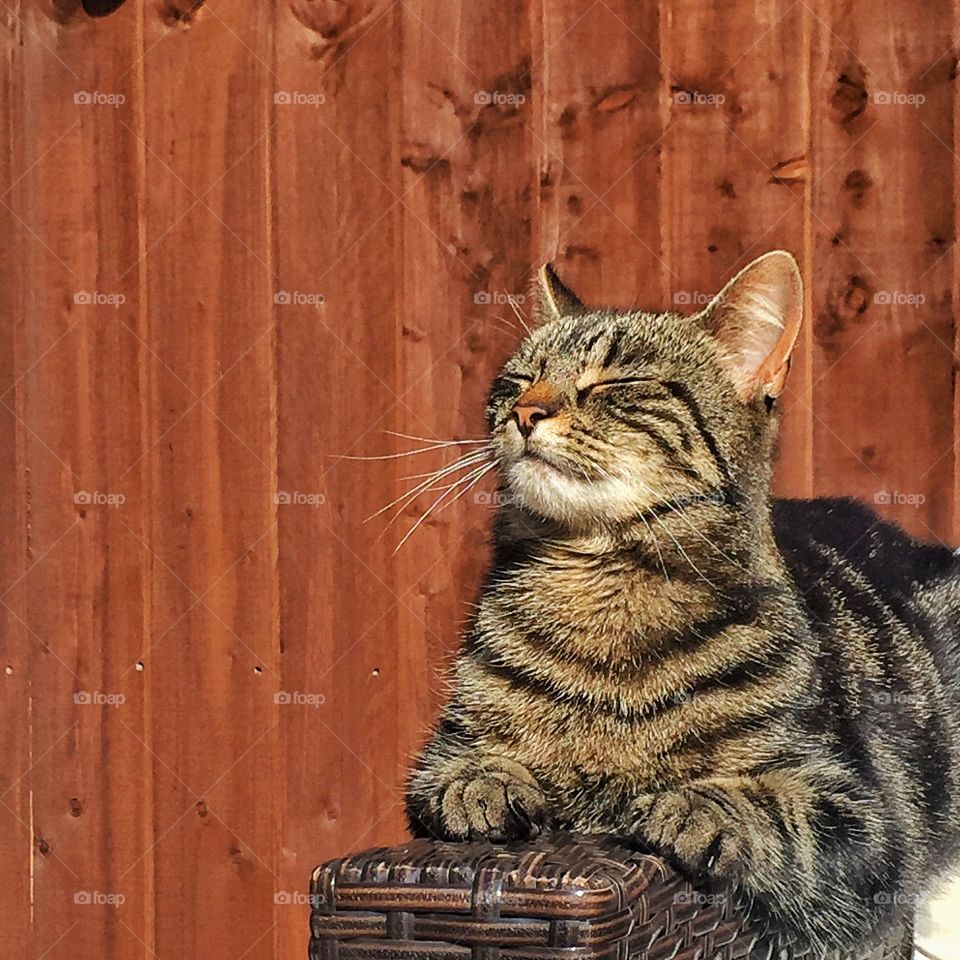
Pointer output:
840, 548
810, 532
868, 585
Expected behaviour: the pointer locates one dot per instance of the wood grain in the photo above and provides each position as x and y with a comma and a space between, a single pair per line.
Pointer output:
736, 168
77, 403
883, 221
16, 642
211, 657
597, 144
316, 215
337, 183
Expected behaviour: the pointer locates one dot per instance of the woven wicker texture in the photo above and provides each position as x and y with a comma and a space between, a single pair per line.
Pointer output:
560, 896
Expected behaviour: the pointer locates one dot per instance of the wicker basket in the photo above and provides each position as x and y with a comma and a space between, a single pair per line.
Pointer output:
562, 896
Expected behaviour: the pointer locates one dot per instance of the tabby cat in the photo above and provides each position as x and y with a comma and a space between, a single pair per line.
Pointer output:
765, 693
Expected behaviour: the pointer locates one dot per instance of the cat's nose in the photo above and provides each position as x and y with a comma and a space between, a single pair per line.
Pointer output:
528, 416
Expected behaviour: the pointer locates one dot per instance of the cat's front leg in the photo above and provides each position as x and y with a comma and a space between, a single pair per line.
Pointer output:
476, 796
801, 843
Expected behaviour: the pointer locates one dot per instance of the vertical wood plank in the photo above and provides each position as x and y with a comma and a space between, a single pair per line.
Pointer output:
736, 167
466, 218
597, 140
210, 656
955, 293
337, 82
77, 402
883, 223
16, 839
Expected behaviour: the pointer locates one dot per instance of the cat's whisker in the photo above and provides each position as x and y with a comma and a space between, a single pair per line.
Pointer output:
467, 460
446, 443
482, 473
443, 496
656, 547
683, 516
430, 487
684, 554
396, 456
516, 310
651, 493
506, 321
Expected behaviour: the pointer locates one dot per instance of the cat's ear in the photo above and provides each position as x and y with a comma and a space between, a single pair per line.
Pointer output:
756, 317
553, 299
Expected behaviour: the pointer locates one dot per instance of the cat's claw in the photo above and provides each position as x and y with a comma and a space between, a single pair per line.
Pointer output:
491, 801
690, 828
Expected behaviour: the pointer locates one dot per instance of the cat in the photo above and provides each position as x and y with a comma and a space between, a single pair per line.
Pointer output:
766, 693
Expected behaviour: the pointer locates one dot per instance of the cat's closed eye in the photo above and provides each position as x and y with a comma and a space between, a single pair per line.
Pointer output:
515, 378
602, 386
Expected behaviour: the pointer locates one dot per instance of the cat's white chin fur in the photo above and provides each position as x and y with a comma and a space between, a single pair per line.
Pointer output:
552, 494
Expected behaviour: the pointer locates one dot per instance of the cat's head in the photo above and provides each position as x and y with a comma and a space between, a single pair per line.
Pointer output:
602, 415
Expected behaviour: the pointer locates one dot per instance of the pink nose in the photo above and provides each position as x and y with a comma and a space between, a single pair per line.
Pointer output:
528, 417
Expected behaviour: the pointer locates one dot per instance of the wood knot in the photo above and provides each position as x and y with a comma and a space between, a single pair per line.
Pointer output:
612, 99
420, 158
855, 185
794, 170
845, 302
181, 13
849, 97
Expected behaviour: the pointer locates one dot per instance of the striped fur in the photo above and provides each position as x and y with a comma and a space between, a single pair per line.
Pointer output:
764, 692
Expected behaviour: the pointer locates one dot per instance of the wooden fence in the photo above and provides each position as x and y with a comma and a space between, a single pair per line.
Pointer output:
242, 239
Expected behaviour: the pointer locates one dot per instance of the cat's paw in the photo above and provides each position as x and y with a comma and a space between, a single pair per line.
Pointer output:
691, 828
491, 799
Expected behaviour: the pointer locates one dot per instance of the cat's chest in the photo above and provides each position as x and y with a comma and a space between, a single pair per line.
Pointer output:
599, 607
569, 662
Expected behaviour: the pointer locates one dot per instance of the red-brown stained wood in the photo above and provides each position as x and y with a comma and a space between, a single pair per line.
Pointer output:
16, 642
883, 222
736, 175
596, 142
317, 214
210, 651
336, 179
77, 401
466, 215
